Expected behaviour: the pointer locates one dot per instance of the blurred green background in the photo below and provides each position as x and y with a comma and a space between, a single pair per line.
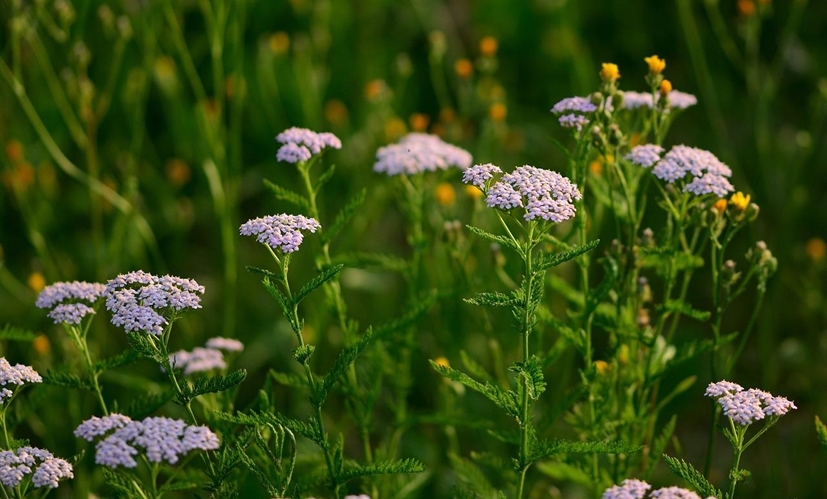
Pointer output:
136, 134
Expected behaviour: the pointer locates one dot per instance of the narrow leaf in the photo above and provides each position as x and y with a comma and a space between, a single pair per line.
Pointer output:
343, 217
291, 197
506, 400
659, 445
549, 261
343, 361
382, 468
59, 378
14, 333
821, 431
505, 241
686, 309
323, 178
213, 385
495, 299
688, 472
125, 358
548, 448
326, 275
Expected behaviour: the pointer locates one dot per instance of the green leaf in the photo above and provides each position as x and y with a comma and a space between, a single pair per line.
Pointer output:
390, 467
663, 259
373, 260
505, 241
281, 299
684, 308
291, 197
494, 299
214, 384
821, 432
323, 178
343, 217
326, 275
564, 472
121, 483
532, 372
147, 404
688, 472
125, 358
145, 348
266, 418
176, 485
659, 445
261, 475
599, 293
14, 333
417, 310
549, 261
289, 379
343, 361
473, 367
60, 378
471, 474
303, 353
506, 400
264, 272
548, 448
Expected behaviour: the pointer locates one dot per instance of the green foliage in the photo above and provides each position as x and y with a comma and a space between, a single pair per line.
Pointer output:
821, 432
324, 178
287, 195
494, 299
548, 448
659, 445
475, 479
122, 359
343, 217
665, 260
686, 309
532, 372
302, 353
326, 275
266, 418
390, 467
549, 261
688, 472
147, 404
283, 301
382, 261
504, 399
289, 379
13, 333
213, 384
413, 314
62, 378
343, 361
505, 241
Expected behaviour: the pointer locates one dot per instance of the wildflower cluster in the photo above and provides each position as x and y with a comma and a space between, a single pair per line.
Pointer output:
280, 232
417, 153
159, 439
15, 375
139, 300
65, 299
637, 489
207, 358
45, 469
300, 144
574, 111
710, 175
745, 407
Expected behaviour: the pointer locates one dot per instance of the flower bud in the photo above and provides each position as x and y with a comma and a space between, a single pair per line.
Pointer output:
752, 212
656, 64
609, 72
596, 98
644, 291
647, 239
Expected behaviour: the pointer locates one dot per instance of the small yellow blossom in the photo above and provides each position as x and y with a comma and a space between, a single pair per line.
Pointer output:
445, 194
635, 140
602, 366
746, 7
335, 111
720, 206
656, 64
41, 344
609, 72
497, 111
473, 192
419, 122
623, 354
596, 167
665, 87
36, 282
739, 201
816, 249
464, 68
394, 129
442, 361
375, 89
279, 43
488, 46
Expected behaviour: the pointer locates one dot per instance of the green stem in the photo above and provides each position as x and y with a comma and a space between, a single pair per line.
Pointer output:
525, 414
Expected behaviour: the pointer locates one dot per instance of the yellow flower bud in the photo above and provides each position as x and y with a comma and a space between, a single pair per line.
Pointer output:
498, 111
656, 64
609, 72
739, 201
442, 361
816, 249
665, 88
464, 68
36, 282
419, 122
602, 366
488, 46
720, 206
473, 192
41, 344
445, 194
279, 43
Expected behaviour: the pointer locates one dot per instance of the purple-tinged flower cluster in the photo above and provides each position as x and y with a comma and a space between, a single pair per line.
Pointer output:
17, 374
747, 406
681, 100
280, 232
478, 175
574, 104
544, 194
636, 489
420, 152
5, 393
709, 172
160, 439
136, 298
677, 100
636, 100
48, 470
60, 292
70, 313
300, 144
226, 344
577, 121
199, 360
645, 155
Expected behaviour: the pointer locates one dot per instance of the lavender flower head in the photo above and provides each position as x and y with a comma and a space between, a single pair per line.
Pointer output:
479, 175
280, 232
747, 406
543, 193
17, 374
636, 100
645, 155
420, 152
710, 174
577, 121
226, 344
47, 469
300, 144
574, 104
676, 100
636, 489
138, 299
160, 439
199, 360
70, 313
5, 393
673, 493
64, 299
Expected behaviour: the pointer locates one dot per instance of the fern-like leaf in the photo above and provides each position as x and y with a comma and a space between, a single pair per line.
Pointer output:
265, 418
506, 400
343, 361
326, 275
291, 197
548, 448
688, 472
549, 261
60, 378
821, 432
532, 372
14, 333
323, 178
343, 217
413, 314
214, 384
125, 358
659, 445
389, 467
146, 405
495, 299
505, 241
686, 309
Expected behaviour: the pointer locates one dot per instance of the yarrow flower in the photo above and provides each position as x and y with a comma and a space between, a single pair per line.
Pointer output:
420, 152
226, 344
135, 300
63, 298
574, 104
17, 374
70, 313
577, 121
645, 155
5, 393
160, 439
300, 144
199, 360
747, 406
675, 100
46, 470
709, 172
280, 232
636, 489
478, 175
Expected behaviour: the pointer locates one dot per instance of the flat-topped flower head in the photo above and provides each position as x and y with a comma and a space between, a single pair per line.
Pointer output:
225, 344
645, 155
574, 105
140, 301
420, 152
629, 489
479, 175
61, 292
745, 407
46, 470
159, 439
673, 493
199, 360
95, 426
17, 374
300, 144
70, 313
576, 121
676, 100
280, 232
710, 174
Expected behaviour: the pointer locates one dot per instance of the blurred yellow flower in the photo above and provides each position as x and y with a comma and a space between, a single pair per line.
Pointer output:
739, 201
596, 167
36, 282
816, 249
375, 89
41, 344
442, 361
656, 64
394, 129
279, 43
720, 206
178, 172
445, 194
746, 7
665, 87
498, 111
610, 72
419, 122
602, 366
473, 192
14, 150
464, 68
335, 111
488, 46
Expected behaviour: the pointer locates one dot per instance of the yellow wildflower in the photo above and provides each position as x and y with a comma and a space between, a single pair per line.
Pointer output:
279, 43
419, 122
36, 282
497, 111
665, 87
739, 201
14, 150
488, 46
335, 111
178, 172
41, 344
720, 206
602, 366
445, 194
375, 89
394, 129
464, 68
609, 72
656, 64
816, 249
442, 361
473, 192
